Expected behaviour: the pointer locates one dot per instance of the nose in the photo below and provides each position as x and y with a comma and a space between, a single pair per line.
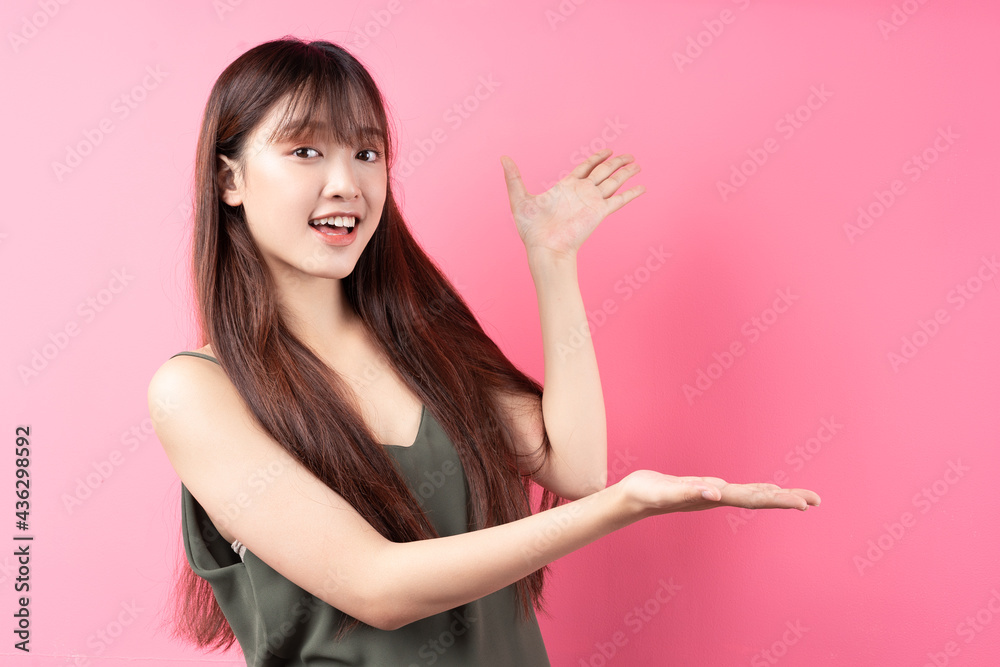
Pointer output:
341, 179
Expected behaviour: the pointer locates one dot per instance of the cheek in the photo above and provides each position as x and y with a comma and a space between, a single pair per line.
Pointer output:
276, 199
378, 199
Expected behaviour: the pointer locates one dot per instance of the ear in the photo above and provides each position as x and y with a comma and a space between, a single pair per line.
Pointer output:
230, 189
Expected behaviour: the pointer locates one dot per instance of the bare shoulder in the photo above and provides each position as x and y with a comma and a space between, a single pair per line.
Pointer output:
194, 408
255, 491
182, 382
183, 373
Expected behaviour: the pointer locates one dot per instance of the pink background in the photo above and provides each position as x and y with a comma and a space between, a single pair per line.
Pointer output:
900, 560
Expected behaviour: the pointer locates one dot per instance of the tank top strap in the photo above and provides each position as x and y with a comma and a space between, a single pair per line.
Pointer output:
196, 354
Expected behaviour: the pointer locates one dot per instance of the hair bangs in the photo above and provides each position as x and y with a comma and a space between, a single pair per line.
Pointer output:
334, 108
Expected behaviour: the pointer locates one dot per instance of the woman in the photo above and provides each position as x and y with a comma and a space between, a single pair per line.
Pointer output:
355, 453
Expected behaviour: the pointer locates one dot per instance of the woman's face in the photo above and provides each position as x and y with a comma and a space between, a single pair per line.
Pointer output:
302, 197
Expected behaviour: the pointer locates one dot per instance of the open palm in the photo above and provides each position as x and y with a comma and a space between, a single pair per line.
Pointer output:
658, 493
562, 218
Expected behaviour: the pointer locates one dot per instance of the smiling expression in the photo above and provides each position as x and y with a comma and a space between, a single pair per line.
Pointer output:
289, 185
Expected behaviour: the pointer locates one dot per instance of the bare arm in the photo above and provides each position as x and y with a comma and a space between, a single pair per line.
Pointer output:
552, 226
255, 491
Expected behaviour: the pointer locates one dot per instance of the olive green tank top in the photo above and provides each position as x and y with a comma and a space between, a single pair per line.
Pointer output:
278, 623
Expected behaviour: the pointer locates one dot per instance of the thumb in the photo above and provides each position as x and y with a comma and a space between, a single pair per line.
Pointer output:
708, 493
515, 186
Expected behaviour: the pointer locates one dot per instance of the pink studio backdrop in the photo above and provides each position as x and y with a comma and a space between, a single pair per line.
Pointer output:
807, 292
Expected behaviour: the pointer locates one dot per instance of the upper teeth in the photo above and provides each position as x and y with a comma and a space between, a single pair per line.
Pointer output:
337, 221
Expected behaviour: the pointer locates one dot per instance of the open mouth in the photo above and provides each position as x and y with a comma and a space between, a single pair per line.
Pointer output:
335, 226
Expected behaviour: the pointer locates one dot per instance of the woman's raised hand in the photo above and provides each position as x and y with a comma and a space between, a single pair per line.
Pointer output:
650, 493
562, 218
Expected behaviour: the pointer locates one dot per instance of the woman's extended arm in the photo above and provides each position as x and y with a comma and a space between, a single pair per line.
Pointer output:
552, 226
254, 491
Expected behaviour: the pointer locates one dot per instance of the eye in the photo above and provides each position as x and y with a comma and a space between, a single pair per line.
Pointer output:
304, 148
371, 155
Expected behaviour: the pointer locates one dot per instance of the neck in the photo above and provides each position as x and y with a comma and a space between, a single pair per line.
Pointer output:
317, 311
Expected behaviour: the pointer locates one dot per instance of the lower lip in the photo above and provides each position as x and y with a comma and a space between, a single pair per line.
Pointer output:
337, 239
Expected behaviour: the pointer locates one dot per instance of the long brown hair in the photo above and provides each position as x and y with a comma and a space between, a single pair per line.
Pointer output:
414, 313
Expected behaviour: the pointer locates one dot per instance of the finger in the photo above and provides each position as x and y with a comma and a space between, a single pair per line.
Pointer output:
765, 486
716, 482
611, 184
605, 169
622, 198
787, 500
807, 496
752, 496
810, 497
584, 168
515, 186
758, 499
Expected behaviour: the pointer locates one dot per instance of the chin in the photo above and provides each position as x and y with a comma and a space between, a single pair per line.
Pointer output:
333, 272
